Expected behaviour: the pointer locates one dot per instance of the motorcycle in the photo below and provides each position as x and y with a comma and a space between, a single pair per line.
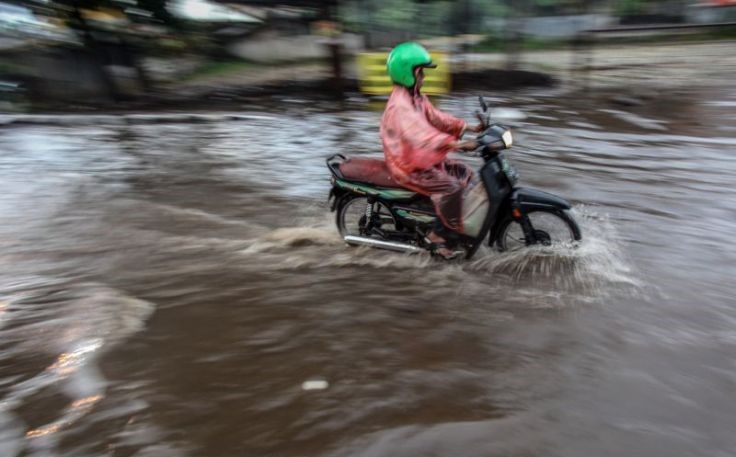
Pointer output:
373, 210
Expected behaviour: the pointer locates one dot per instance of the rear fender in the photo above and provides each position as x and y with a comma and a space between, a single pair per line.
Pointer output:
336, 194
331, 200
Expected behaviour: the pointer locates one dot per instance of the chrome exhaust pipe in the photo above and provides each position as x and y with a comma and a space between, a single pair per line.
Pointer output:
380, 244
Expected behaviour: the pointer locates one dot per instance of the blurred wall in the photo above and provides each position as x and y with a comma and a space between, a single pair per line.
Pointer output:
274, 48
555, 27
564, 26
65, 75
704, 14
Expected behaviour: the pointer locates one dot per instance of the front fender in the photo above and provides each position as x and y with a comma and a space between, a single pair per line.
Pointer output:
523, 201
527, 199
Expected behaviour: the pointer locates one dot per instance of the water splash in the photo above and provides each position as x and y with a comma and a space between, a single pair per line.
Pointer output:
590, 268
315, 243
596, 263
303, 236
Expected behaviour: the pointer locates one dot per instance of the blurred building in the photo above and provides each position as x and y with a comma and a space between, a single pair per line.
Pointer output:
70, 50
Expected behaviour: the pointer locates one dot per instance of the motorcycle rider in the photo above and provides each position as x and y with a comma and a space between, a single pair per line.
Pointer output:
416, 139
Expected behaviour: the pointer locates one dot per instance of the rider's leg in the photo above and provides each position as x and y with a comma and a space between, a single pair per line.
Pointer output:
446, 187
437, 237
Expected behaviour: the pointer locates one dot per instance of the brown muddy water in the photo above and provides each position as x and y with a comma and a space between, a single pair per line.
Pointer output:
178, 289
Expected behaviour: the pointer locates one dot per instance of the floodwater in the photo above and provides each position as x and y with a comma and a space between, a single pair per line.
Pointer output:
177, 288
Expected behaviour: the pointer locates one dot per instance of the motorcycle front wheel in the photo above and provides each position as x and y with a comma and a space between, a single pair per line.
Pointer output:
551, 228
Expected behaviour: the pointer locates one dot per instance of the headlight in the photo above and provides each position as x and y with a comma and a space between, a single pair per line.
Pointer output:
508, 139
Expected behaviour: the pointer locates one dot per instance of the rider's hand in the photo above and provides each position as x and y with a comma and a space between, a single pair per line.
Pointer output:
482, 125
478, 128
467, 145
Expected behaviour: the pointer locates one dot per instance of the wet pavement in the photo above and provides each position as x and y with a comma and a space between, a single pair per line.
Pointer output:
177, 288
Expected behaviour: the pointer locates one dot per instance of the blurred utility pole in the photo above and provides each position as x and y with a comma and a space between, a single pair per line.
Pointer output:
80, 25
366, 9
513, 36
464, 47
335, 49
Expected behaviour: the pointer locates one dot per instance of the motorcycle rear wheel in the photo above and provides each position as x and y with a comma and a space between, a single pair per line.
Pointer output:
551, 228
351, 217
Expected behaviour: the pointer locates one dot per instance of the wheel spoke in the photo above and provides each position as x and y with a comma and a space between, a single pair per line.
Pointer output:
550, 230
351, 218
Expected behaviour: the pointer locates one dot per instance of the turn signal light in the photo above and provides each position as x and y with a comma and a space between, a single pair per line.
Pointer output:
516, 212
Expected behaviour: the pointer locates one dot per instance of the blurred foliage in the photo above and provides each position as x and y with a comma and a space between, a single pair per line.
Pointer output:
437, 17
219, 68
638, 7
441, 17
159, 11
495, 42
422, 18
153, 10
396, 12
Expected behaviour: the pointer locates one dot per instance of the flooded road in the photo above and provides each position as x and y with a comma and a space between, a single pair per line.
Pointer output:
179, 289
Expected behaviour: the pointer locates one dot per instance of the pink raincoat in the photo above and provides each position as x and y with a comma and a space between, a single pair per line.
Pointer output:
416, 139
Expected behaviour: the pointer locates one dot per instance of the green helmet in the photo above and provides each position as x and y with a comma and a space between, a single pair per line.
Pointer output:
402, 61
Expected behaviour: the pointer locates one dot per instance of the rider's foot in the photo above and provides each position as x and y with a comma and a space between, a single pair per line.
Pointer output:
440, 248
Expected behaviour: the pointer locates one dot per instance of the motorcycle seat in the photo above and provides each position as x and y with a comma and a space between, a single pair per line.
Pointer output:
368, 171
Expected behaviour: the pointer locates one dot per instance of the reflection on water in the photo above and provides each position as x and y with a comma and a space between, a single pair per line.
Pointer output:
169, 288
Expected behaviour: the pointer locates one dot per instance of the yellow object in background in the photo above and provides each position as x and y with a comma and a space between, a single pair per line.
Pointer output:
106, 15
374, 80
